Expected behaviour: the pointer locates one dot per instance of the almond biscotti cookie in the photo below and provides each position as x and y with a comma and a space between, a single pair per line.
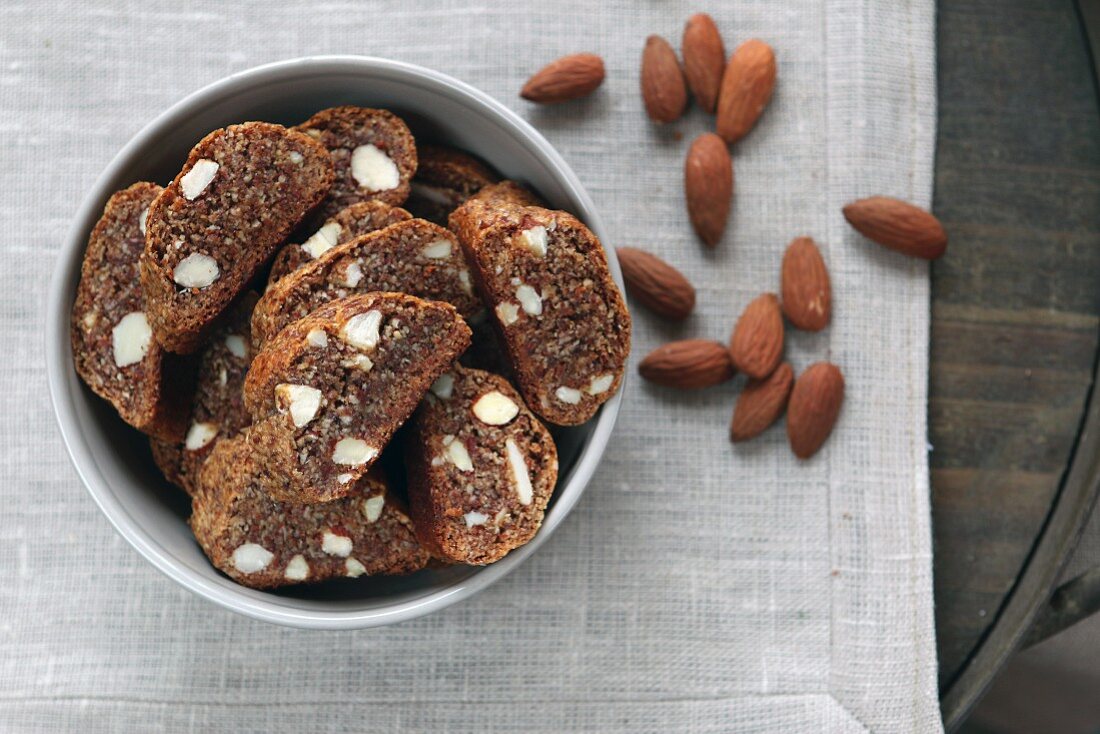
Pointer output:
113, 347
264, 544
242, 191
414, 257
488, 206
562, 319
344, 226
481, 468
445, 178
329, 391
373, 151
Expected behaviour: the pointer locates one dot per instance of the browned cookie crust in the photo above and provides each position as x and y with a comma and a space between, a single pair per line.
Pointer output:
344, 226
373, 151
445, 178
262, 543
562, 319
113, 349
484, 209
329, 391
481, 468
241, 192
217, 411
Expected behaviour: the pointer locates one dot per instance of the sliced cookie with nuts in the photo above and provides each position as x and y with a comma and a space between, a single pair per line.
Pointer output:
113, 347
373, 151
329, 391
262, 543
242, 191
445, 178
414, 256
562, 319
489, 206
217, 411
481, 468
344, 226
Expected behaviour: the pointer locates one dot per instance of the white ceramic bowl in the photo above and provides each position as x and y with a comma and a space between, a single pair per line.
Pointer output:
113, 460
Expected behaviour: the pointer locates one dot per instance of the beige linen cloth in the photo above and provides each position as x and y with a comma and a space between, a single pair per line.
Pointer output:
697, 586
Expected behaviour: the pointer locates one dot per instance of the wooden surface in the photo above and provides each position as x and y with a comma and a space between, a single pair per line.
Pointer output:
1015, 301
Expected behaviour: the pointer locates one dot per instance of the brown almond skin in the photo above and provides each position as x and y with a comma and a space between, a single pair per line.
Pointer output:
747, 86
761, 404
564, 79
804, 286
663, 88
756, 346
655, 284
704, 59
813, 408
688, 364
708, 187
898, 225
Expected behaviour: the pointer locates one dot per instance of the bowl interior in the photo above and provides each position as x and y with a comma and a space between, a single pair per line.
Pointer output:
114, 460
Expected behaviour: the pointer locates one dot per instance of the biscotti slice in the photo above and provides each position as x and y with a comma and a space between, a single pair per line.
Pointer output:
241, 192
481, 468
217, 411
328, 392
445, 178
489, 206
414, 257
113, 347
561, 318
373, 151
344, 226
262, 543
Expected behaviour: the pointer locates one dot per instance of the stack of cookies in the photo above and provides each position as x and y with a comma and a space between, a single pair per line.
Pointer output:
402, 288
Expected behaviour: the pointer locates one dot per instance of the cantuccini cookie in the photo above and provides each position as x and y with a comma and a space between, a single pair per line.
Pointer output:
481, 468
414, 257
242, 190
445, 178
113, 347
373, 151
328, 392
262, 543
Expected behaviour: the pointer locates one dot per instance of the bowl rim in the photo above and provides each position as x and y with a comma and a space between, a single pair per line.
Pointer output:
61, 374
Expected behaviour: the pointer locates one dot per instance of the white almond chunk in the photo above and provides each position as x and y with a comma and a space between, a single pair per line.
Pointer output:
195, 181
360, 362
473, 519
353, 275
89, 320
373, 170
196, 271
457, 454
437, 250
223, 377
530, 299
250, 558
322, 240
519, 472
236, 345
295, 158
444, 386
142, 219
344, 478
495, 408
601, 384
353, 452
355, 569
199, 435
508, 313
535, 240
464, 281
297, 569
568, 395
361, 330
130, 339
317, 337
336, 545
302, 401
372, 507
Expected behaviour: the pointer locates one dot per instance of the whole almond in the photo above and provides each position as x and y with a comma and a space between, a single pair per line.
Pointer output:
761, 403
756, 346
569, 77
655, 284
747, 86
704, 59
898, 225
813, 408
708, 186
692, 363
804, 286
663, 89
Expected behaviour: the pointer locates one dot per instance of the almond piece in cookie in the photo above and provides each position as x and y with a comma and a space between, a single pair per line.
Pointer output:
445, 178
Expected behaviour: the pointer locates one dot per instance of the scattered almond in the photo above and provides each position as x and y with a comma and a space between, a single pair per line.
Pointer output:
747, 86
692, 363
804, 286
569, 77
708, 186
761, 403
813, 408
663, 89
898, 225
704, 59
655, 284
756, 346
